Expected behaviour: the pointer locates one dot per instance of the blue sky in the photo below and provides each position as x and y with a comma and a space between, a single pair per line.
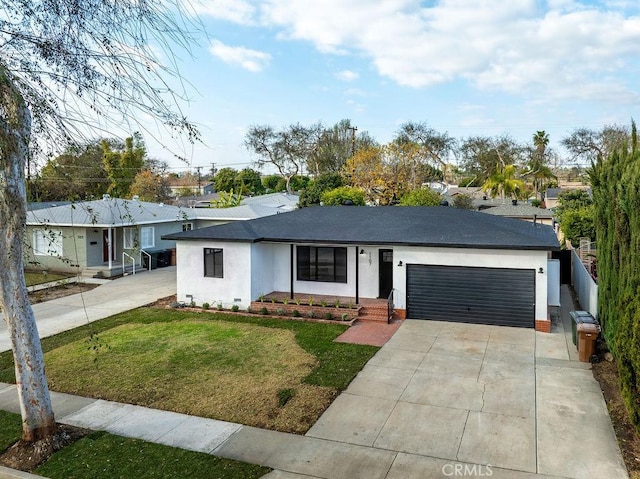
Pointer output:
468, 67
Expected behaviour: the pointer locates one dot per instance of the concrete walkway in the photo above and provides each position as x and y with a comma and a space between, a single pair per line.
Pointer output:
436, 399
111, 297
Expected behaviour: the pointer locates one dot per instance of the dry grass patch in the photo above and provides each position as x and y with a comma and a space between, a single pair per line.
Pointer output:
217, 369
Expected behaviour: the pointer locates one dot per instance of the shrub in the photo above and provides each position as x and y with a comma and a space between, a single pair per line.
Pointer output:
311, 314
462, 201
421, 197
345, 317
264, 310
205, 305
235, 308
536, 203
328, 316
342, 195
280, 312
219, 306
296, 313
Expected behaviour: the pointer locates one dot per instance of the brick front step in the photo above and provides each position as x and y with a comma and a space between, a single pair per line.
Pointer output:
371, 319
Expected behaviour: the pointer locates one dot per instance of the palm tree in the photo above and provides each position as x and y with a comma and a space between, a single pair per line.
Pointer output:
538, 169
503, 182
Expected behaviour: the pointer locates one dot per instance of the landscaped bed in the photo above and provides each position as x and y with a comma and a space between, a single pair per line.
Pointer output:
264, 372
103, 455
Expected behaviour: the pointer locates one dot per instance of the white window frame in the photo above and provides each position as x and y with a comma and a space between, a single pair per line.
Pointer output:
147, 237
187, 226
47, 242
129, 237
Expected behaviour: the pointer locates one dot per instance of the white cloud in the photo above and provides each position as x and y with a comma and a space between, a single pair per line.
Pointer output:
252, 60
562, 47
235, 11
347, 75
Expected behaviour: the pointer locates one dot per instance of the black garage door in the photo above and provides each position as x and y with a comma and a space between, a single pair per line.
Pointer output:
471, 295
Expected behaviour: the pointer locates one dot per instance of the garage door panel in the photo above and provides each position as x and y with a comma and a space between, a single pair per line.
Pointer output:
466, 294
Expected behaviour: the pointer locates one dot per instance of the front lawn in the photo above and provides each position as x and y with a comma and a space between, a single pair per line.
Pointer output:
103, 455
269, 373
32, 278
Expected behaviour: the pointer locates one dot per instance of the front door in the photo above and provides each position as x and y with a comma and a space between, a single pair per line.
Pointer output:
385, 262
106, 246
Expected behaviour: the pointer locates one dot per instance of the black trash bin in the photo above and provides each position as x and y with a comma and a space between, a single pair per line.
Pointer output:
580, 317
164, 258
153, 257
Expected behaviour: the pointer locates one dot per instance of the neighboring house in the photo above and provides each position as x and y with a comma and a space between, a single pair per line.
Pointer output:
105, 237
98, 235
551, 195
438, 262
522, 211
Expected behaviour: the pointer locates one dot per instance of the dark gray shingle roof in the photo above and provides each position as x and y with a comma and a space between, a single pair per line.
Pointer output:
384, 225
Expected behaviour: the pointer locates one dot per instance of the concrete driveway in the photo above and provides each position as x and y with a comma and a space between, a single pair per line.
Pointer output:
111, 297
440, 394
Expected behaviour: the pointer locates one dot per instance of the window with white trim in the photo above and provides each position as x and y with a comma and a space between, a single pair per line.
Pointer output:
187, 226
147, 237
47, 242
130, 238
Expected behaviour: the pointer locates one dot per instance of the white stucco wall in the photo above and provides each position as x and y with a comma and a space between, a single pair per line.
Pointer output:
489, 258
251, 270
233, 288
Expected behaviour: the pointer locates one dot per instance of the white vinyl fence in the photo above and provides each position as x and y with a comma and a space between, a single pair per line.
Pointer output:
584, 285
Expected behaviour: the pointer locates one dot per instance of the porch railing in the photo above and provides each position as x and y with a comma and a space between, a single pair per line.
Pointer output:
148, 257
390, 306
124, 263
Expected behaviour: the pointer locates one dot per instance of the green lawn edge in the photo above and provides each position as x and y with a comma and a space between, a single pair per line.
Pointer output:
101, 455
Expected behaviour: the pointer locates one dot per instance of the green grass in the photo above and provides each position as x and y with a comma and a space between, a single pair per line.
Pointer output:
38, 278
208, 364
10, 429
103, 455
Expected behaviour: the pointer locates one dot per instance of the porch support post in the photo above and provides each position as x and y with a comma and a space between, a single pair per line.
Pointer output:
357, 276
291, 272
110, 246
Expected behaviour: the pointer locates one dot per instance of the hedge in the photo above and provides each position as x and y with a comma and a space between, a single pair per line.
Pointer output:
616, 193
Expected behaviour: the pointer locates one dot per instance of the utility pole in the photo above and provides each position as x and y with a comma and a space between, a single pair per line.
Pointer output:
353, 139
198, 168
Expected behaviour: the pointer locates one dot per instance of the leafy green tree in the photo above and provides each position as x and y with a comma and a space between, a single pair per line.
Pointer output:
421, 197
271, 183
572, 200
503, 182
311, 195
578, 223
227, 199
343, 195
77, 174
123, 165
225, 179
249, 182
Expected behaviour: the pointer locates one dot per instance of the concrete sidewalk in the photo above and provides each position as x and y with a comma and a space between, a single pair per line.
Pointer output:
436, 399
115, 296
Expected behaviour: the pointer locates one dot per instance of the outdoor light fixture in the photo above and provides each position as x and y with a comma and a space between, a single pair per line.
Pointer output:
400, 263
364, 254
540, 270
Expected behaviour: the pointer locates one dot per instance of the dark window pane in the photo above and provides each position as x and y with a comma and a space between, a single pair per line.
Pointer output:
213, 261
322, 264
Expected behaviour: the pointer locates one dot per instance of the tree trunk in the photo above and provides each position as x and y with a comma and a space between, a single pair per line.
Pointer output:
15, 130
